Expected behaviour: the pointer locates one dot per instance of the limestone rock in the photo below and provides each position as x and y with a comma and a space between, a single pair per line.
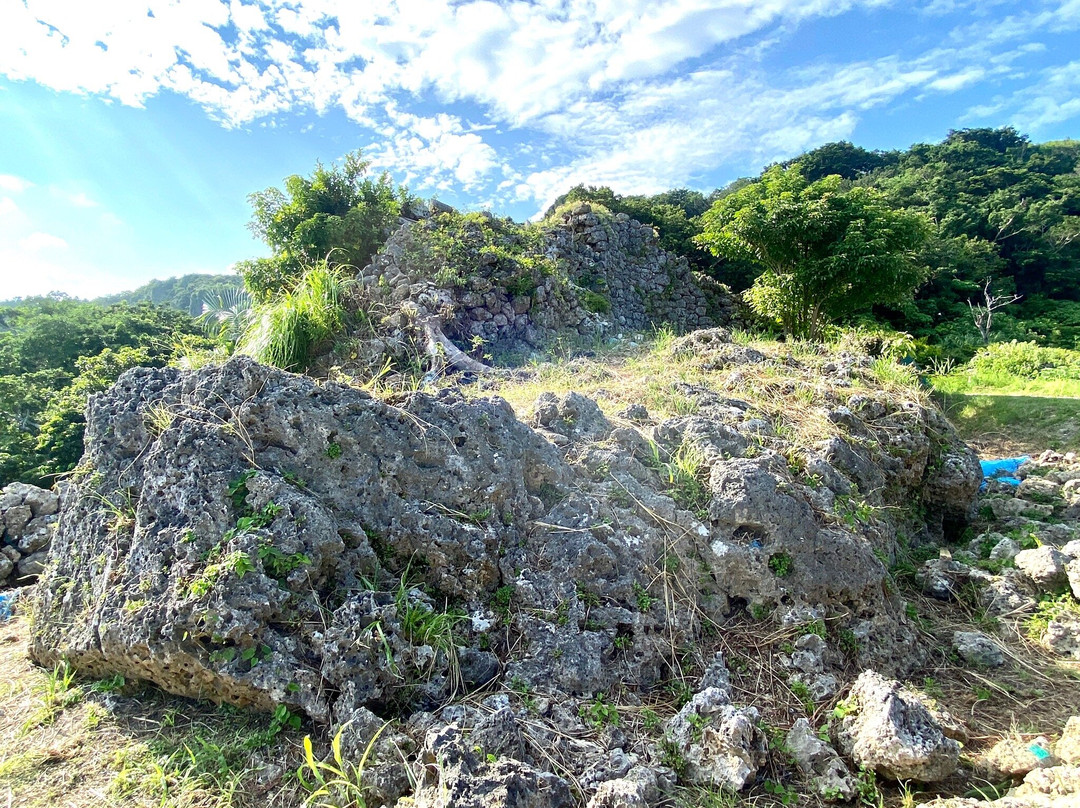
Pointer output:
1045, 566
27, 523
820, 764
892, 732
1062, 635
1014, 757
459, 777
1004, 550
1060, 783
1067, 749
954, 484
1072, 572
638, 789
977, 649
721, 744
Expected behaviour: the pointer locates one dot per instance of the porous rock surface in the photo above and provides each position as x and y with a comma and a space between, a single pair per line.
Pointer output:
892, 732
282, 541
27, 522
829, 776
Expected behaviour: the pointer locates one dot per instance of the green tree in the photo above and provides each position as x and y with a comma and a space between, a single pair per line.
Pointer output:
54, 352
63, 421
827, 251
338, 213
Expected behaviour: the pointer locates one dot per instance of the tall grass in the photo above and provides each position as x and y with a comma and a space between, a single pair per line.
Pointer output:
288, 330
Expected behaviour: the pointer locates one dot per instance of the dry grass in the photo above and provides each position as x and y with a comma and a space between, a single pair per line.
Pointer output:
81, 745
788, 389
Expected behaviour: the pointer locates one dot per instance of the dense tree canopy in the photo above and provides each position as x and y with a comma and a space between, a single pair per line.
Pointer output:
55, 352
1004, 210
827, 250
185, 292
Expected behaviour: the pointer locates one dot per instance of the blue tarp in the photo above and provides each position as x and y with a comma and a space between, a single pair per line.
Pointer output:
1002, 470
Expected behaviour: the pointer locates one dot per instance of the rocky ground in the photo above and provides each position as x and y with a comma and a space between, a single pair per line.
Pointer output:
700, 572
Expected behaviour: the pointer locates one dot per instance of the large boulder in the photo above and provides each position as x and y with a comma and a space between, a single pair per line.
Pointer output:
246, 550
246, 535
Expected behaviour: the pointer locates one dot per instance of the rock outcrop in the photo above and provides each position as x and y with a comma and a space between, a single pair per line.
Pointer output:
246, 535
500, 288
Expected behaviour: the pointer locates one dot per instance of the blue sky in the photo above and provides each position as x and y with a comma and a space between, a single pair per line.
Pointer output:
131, 133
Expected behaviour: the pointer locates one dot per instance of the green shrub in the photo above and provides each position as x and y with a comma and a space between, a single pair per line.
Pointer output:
288, 331
1026, 360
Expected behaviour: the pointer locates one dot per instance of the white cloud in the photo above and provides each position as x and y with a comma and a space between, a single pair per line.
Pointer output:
958, 80
600, 87
1052, 98
41, 242
13, 184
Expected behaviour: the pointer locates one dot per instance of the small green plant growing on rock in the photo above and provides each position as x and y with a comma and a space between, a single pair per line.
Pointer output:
1049, 610
333, 451
642, 597
802, 693
781, 564
600, 713
501, 602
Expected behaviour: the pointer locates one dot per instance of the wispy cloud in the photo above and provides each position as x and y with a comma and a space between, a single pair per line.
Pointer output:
13, 184
641, 94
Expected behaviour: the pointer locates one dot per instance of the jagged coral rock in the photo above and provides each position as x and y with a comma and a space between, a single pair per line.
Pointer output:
893, 733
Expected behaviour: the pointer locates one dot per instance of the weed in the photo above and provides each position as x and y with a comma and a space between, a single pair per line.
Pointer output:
672, 757
786, 795
599, 713
524, 692
58, 692
238, 491
277, 564
682, 473
761, 611
781, 564
337, 783
849, 642
802, 693
644, 600
423, 625
502, 601
932, 688
867, 789
110, 684
158, 417
588, 598
1049, 610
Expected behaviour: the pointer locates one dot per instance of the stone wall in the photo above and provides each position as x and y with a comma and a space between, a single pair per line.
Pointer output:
606, 274
621, 259
27, 522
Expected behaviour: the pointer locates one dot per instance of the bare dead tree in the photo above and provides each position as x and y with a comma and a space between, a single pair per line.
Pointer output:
983, 313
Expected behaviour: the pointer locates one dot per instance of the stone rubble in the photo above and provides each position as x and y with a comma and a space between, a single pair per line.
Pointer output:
28, 517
